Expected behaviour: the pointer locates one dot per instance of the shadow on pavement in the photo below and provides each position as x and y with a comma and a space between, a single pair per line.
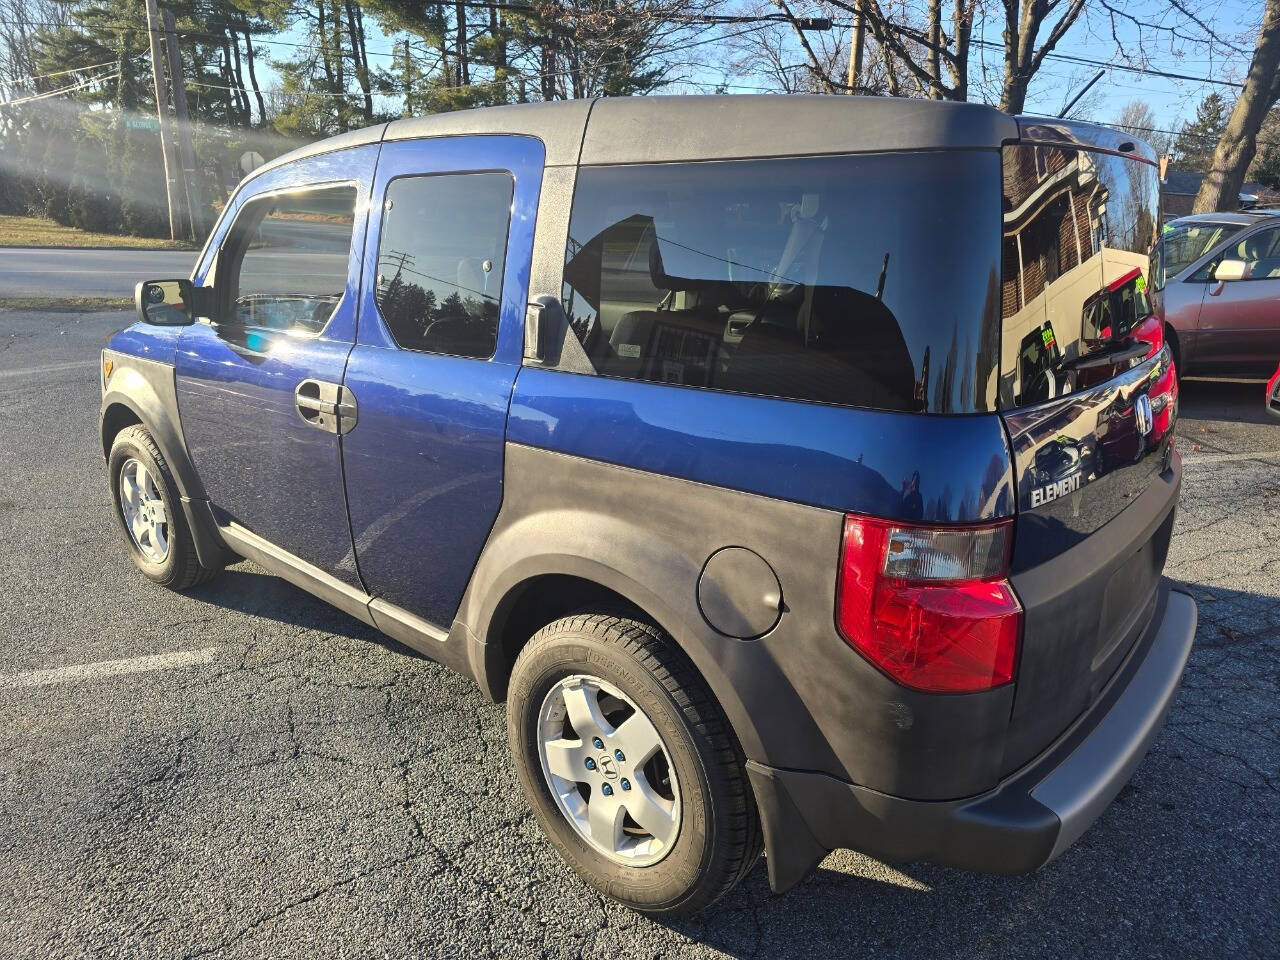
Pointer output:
1178, 865
272, 598
1216, 400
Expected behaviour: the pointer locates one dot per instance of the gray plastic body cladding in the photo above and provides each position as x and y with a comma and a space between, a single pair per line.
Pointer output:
799, 696
673, 129
1030, 818
1065, 599
146, 387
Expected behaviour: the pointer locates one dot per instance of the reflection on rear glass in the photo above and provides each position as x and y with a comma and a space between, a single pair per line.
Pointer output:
1079, 231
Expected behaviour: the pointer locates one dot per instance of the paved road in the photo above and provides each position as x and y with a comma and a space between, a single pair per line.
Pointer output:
282, 782
49, 272
31, 272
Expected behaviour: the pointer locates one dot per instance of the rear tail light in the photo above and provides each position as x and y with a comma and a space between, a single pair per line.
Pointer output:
930, 606
1151, 332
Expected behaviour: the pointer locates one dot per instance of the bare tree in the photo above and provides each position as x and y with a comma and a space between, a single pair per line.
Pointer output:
1220, 189
22, 22
932, 42
929, 45
769, 54
1137, 118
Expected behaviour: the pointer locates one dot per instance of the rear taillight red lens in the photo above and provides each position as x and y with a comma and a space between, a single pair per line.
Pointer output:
930, 606
1151, 332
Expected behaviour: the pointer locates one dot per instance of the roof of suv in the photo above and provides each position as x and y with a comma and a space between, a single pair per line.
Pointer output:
674, 128
1242, 217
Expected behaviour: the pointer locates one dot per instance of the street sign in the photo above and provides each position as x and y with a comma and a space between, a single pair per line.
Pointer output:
250, 161
142, 123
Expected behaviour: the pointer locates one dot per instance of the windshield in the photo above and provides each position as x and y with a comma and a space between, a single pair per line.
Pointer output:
1184, 243
1079, 233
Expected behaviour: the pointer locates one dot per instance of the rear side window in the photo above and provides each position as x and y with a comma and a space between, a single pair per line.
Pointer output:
1080, 232
1260, 252
867, 280
440, 260
286, 258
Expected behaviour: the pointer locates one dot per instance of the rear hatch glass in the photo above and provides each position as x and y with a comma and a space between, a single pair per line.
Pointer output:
1089, 401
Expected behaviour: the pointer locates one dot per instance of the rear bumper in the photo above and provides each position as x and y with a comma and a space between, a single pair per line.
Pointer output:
1027, 820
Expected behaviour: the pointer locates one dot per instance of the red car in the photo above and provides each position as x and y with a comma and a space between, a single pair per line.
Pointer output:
1273, 394
1216, 283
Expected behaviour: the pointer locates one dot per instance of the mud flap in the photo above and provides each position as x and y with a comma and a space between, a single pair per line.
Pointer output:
790, 847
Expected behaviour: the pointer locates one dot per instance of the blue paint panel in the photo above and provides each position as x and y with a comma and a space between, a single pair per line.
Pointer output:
259, 461
146, 340
842, 458
522, 157
424, 472
424, 465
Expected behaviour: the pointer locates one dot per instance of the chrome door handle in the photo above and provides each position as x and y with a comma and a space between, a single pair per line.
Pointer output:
327, 406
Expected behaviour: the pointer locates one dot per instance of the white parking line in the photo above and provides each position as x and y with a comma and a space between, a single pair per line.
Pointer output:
50, 368
1195, 459
108, 668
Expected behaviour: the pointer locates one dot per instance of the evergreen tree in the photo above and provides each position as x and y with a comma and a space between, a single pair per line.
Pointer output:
93, 204
1199, 137
143, 204
1266, 168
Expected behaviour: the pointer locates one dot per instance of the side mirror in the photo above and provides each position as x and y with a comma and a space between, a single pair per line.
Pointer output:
1230, 270
169, 303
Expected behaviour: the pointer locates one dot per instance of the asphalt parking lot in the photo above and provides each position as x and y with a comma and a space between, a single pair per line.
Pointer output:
284, 782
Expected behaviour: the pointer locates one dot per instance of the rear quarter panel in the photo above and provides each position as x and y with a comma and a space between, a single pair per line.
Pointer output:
798, 696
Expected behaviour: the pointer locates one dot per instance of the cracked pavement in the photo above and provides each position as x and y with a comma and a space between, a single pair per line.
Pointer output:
313, 789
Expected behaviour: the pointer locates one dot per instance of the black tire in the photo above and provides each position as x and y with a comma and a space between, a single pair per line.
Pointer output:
1171, 338
181, 569
719, 838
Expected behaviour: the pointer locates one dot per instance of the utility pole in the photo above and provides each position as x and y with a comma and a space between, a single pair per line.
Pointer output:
855, 50
162, 115
186, 152
408, 79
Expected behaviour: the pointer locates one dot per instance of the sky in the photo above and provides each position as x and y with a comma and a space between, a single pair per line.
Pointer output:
1173, 101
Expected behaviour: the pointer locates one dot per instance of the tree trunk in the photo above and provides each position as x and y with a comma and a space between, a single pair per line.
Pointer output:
360, 56
1021, 58
499, 51
339, 68
242, 93
814, 63
1013, 91
253, 76
962, 25
324, 43
464, 69
1220, 189
935, 50
228, 83
549, 66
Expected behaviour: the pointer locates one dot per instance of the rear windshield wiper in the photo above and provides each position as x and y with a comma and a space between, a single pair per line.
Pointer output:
1115, 353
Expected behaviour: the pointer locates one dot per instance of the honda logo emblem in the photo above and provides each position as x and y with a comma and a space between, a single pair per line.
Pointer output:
1142, 413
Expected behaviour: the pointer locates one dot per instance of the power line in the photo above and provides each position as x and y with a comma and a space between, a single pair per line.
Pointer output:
57, 93
60, 73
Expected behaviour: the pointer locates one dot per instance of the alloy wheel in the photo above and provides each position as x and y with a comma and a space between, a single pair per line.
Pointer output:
144, 512
609, 770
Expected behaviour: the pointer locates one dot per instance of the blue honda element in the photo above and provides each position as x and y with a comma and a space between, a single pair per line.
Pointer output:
799, 470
